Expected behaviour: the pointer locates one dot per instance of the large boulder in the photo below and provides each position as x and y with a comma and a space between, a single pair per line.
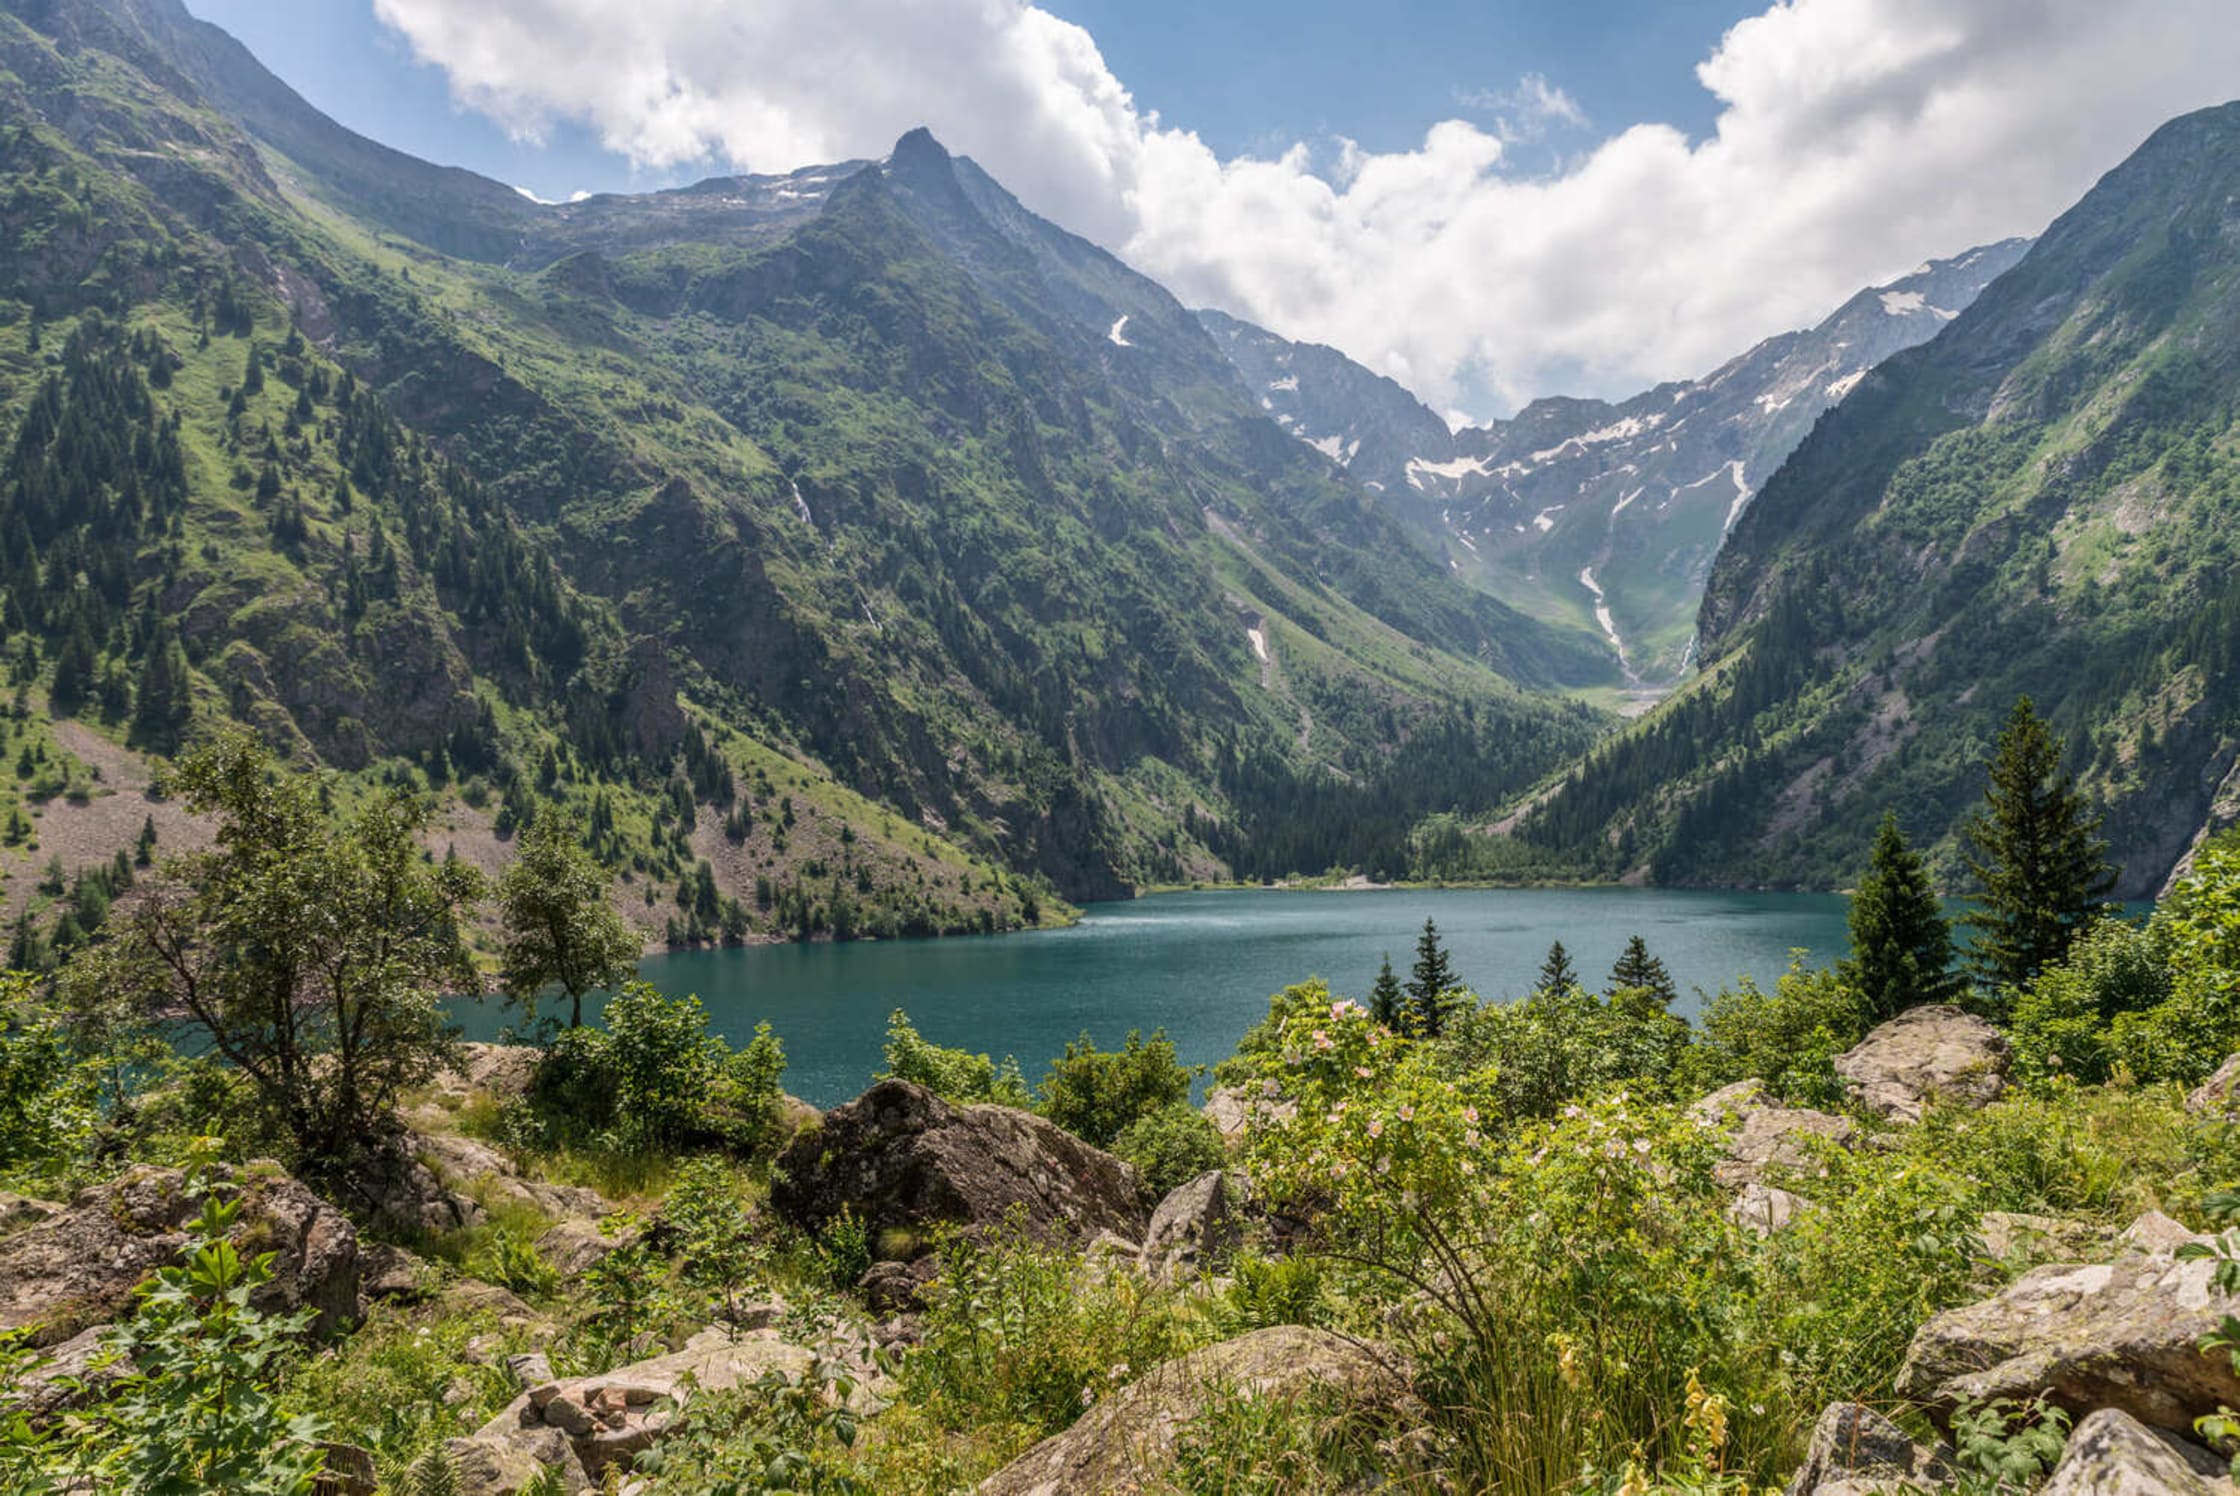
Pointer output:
1855, 1451
2216, 1094
507, 1462
1125, 1444
1198, 1223
903, 1160
2113, 1454
1927, 1054
2124, 1334
481, 1172
79, 1268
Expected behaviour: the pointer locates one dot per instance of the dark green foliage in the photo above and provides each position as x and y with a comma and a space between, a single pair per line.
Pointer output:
1097, 1094
1638, 971
650, 1076
2036, 850
1170, 1146
1787, 1038
1557, 971
1387, 1001
1901, 946
560, 928
1432, 984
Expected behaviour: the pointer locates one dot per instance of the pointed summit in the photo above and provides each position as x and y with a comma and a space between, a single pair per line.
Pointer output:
918, 151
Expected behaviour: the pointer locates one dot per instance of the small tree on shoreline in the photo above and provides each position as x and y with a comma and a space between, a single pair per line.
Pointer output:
560, 928
2036, 849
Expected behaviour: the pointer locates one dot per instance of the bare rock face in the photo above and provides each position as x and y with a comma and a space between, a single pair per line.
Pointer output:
2123, 1334
1768, 1141
1198, 1223
79, 1268
2216, 1093
904, 1160
510, 1461
1855, 1451
1927, 1054
2113, 1454
1125, 1444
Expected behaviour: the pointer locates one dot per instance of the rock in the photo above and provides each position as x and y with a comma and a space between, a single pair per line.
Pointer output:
19, 1211
794, 1115
1927, 1054
2216, 1093
349, 1471
576, 1245
2120, 1335
2156, 1232
79, 1268
400, 1194
2113, 1454
1233, 1109
1125, 1444
530, 1369
472, 1296
606, 1420
903, 1160
1768, 1141
2007, 1234
896, 1287
505, 1462
489, 1177
1198, 1225
391, 1274
67, 1376
1763, 1209
1855, 1451
504, 1070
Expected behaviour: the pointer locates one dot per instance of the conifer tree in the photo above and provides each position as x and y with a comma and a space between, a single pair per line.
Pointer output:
1387, 1003
2036, 849
73, 673
1636, 968
1429, 982
1557, 972
1901, 945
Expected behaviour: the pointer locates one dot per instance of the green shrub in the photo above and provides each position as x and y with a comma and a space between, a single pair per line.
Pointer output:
1788, 1038
1171, 1146
2063, 1022
1096, 1094
952, 1074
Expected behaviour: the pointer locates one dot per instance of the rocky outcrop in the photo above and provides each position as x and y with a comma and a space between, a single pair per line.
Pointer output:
2113, 1454
584, 1425
1197, 1224
1933, 1053
2216, 1093
503, 1070
79, 1268
477, 1169
1233, 1111
576, 1245
904, 1161
1769, 1143
2007, 1233
511, 1461
1855, 1451
1125, 1444
2124, 1334
19, 1211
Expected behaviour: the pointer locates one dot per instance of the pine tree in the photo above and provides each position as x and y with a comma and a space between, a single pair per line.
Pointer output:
1387, 1003
1429, 983
2036, 849
144, 848
1636, 968
1557, 972
73, 673
1901, 945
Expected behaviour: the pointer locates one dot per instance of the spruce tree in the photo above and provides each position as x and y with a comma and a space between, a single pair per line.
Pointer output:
1557, 972
1429, 983
1901, 946
1387, 1003
2036, 849
1636, 968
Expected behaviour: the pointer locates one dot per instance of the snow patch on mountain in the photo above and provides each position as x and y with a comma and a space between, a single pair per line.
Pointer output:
1118, 337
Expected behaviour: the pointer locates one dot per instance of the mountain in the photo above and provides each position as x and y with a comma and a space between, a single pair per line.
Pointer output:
855, 550
1597, 515
2043, 500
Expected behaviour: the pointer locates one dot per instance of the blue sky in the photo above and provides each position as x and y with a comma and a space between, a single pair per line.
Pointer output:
1488, 200
1247, 75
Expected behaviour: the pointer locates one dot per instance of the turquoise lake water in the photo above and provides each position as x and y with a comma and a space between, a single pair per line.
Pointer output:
1201, 965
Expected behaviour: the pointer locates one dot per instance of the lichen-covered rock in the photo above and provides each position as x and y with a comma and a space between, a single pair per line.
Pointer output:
1763, 1209
507, 1461
575, 1246
1927, 1054
1855, 1451
891, 1288
2040, 1238
2124, 1334
1197, 1223
903, 1160
2113, 1454
79, 1268
1768, 1142
2216, 1093
1125, 1444
479, 1170
19, 1211
1233, 1110
390, 1274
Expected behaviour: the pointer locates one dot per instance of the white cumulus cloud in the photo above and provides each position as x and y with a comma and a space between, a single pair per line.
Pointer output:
1853, 139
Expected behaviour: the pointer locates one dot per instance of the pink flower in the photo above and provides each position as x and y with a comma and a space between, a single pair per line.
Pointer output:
1376, 1127
1470, 1115
1362, 1071
1407, 1114
1321, 1039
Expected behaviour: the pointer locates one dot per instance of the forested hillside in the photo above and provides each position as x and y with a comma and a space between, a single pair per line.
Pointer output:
2045, 500
853, 550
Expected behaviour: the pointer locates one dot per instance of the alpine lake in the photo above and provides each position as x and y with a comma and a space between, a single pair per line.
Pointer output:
1202, 965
